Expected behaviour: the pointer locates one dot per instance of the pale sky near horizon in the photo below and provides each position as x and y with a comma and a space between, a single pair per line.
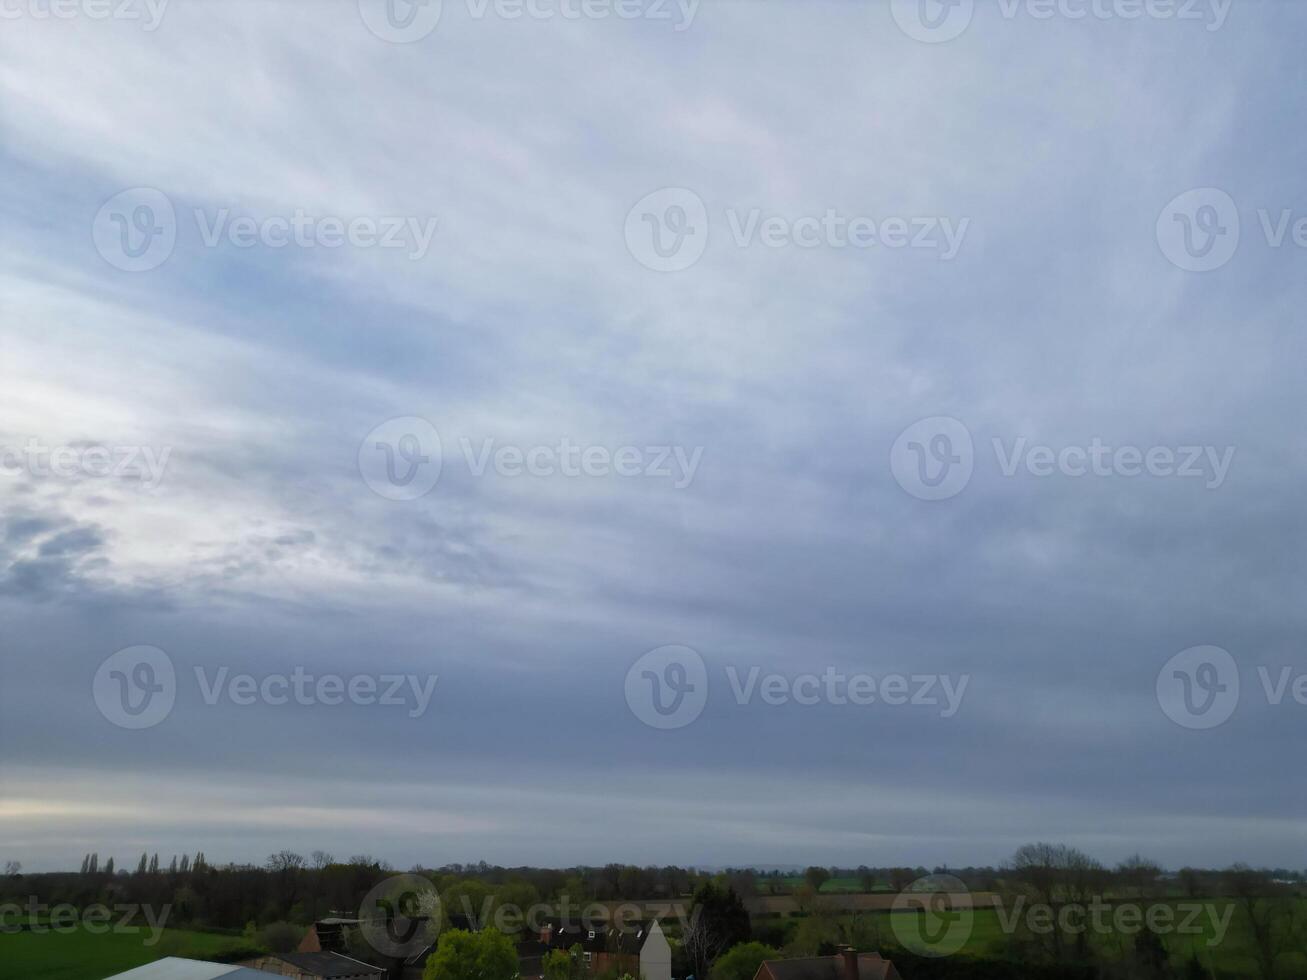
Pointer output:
677, 404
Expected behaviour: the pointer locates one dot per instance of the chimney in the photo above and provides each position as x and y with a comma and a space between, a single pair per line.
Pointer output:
848, 963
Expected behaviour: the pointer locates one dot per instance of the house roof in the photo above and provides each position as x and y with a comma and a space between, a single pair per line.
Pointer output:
565, 935
328, 964
176, 968
628, 938
871, 966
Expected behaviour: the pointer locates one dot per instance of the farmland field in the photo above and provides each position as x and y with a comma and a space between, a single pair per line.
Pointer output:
1233, 956
831, 886
82, 955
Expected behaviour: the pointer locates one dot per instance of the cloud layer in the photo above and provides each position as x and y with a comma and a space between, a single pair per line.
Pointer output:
253, 375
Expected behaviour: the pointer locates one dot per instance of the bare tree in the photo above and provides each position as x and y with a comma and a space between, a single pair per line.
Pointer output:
1269, 913
702, 944
1138, 874
322, 858
1056, 875
901, 878
866, 878
285, 861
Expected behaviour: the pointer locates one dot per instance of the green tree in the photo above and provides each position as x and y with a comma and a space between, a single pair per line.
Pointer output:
580, 968
814, 933
575, 890
556, 965
513, 902
470, 898
866, 878
816, 877
741, 962
1150, 955
462, 955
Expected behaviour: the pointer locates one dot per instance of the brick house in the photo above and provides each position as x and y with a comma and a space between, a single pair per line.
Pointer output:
316, 966
327, 935
637, 948
844, 965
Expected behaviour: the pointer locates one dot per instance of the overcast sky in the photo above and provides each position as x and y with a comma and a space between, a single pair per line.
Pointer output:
719, 421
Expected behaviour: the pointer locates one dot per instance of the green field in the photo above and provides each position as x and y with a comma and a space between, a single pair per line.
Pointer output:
831, 886
85, 956
82, 955
1233, 957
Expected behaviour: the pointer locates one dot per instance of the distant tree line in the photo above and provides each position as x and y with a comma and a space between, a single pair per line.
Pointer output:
275, 900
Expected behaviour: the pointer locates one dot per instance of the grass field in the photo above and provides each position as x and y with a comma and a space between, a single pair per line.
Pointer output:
834, 886
1233, 956
85, 956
